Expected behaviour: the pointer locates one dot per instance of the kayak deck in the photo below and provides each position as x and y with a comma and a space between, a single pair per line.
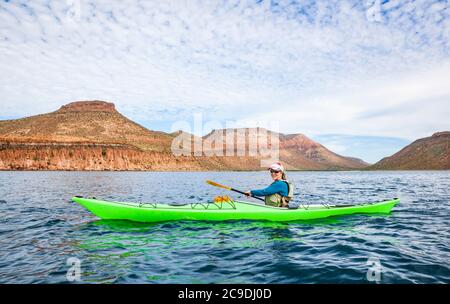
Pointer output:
237, 210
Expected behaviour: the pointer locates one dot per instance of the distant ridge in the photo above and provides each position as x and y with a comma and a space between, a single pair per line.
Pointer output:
88, 106
93, 135
84, 121
429, 153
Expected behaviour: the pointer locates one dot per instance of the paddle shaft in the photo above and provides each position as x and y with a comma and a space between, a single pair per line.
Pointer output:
229, 188
238, 191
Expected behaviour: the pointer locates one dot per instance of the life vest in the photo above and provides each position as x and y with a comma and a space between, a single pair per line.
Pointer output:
276, 199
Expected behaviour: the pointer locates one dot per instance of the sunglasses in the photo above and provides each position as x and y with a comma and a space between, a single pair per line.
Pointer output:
274, 171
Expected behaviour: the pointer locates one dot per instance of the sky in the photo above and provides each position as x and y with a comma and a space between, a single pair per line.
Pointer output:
364, 78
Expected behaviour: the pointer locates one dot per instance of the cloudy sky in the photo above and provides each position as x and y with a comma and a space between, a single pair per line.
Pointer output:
364, 78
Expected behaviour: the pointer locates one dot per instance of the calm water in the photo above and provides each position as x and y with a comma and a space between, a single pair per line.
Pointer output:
40, 229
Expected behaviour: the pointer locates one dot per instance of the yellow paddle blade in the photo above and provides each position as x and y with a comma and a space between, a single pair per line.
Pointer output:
217, 185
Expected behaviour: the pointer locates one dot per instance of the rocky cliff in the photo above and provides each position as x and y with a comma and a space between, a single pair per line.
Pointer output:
296, 151
300, 150
93, 135
84, 121
114, 157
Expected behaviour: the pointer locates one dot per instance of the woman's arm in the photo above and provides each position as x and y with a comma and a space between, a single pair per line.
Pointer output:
272, 189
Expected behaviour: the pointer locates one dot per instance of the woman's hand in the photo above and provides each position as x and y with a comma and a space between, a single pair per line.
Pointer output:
247, 193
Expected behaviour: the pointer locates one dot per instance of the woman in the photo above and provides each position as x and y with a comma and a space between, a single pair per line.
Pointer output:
279, 192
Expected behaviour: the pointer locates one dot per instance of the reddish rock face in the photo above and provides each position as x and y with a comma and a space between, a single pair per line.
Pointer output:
429, 153
444, 133
88, 106
297, 141
92, 135
114, 157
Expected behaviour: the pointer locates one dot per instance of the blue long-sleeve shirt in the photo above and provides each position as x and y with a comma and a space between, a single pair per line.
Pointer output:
279, 187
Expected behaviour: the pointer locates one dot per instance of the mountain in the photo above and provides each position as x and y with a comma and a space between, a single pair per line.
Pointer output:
296, 151
299, 151
430, 153
89, 135
84, 121
93, 135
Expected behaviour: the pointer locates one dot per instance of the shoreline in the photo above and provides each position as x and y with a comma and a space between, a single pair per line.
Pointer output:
218, 171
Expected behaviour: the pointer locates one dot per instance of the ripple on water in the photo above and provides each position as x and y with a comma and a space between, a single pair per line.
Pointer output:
40, 229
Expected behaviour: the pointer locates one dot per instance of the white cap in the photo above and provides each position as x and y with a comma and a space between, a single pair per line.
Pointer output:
277, 167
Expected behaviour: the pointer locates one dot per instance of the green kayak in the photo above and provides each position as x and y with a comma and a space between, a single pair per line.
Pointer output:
236, 210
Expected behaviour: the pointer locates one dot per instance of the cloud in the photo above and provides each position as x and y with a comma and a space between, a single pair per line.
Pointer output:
411, 106
316, 67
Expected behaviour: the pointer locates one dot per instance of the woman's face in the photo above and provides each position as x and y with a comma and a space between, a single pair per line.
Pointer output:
276, 175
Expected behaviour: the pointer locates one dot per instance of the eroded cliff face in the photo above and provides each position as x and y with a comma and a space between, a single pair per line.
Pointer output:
88, 106
112, 157
60, 156
93, 135
84, 121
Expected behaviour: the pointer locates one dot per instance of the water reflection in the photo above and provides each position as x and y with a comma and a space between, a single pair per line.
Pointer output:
121, 246
40, 228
